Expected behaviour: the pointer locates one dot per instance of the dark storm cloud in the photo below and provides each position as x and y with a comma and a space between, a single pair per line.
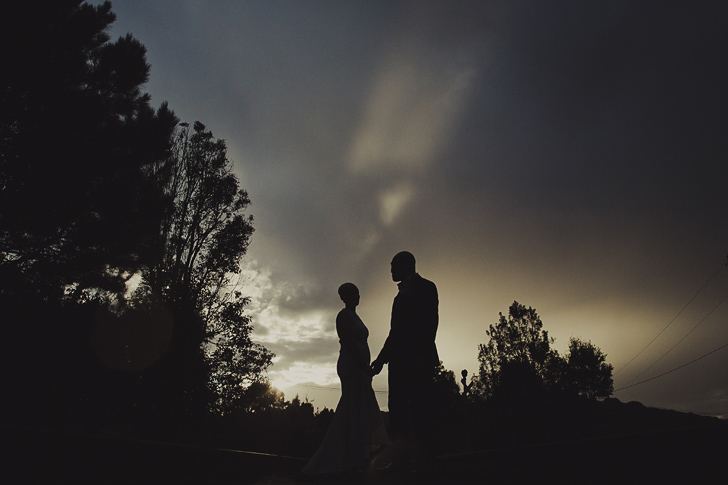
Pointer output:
593, 124
608, 107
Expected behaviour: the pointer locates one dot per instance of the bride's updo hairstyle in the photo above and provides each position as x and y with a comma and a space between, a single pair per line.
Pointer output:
347, 291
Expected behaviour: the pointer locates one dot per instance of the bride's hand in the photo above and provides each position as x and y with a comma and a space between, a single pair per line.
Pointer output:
376, 367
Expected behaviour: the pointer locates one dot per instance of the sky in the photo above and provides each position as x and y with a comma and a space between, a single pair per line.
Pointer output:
571, 156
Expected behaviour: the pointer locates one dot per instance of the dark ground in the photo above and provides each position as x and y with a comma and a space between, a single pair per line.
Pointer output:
693, 455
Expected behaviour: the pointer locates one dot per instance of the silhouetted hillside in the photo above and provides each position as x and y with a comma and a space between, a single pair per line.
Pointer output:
472, 426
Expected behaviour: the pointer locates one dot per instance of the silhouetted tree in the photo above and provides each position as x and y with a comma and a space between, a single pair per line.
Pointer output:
78, 214
518, 346
518, 363
79, 210
259, 397
586, 371
204, 237
446, 387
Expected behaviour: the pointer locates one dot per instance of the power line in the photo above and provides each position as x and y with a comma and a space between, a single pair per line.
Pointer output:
671, 321
679, 341
673, 370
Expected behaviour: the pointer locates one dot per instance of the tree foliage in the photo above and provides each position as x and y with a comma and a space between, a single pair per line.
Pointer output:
446, 387
518, 361
97, 187
79, 210
76, 132
586, 371
517, 341
205, 234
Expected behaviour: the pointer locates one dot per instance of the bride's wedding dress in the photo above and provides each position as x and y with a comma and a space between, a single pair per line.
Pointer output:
357, 427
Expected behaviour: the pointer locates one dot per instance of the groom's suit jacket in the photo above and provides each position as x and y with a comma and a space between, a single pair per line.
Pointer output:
410, 346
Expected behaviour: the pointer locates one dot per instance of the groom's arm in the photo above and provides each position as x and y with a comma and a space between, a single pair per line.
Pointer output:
397, 334
383, 357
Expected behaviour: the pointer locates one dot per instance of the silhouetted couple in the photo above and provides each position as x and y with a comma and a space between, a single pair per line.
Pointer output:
356, 436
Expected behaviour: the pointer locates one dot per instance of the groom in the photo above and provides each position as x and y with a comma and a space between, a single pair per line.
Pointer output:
412, 356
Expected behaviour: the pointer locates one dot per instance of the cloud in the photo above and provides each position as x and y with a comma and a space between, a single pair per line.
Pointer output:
571, 157
287, 323
410, 111
281, 309
393, 201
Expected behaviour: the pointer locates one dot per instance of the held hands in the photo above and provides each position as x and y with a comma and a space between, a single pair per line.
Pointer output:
376, 367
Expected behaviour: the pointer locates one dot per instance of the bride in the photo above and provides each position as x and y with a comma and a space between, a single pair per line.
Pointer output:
357, 427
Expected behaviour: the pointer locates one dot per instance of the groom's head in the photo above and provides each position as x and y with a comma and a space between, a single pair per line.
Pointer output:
403, 265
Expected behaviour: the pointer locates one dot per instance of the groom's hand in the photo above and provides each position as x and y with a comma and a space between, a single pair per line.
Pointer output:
377, 367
